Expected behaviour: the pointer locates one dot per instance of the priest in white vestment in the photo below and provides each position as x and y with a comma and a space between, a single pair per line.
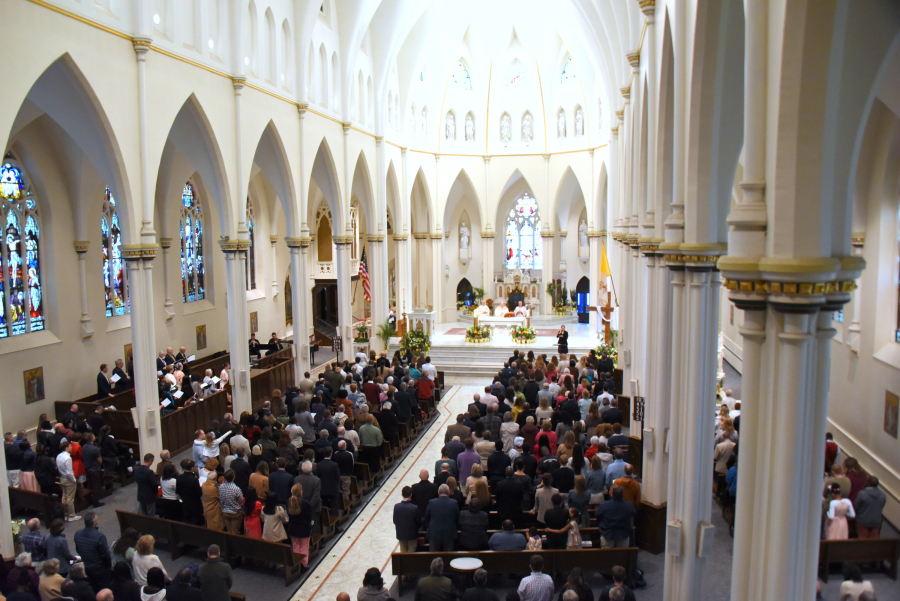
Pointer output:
521, 310
482, 310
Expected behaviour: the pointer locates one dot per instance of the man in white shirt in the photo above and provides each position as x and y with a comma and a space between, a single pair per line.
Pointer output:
554, 387
604, 398
350, 435
729, 400
67, 481
429, 370
487, 398
223, 376
736, 411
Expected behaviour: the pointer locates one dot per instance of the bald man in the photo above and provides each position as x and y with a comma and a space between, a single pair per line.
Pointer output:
343, 597
105, 595
422, 492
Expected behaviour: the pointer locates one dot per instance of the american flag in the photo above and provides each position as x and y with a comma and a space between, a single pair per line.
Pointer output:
364, 276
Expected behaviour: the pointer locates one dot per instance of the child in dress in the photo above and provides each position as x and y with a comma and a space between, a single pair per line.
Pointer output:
534, 540
573, 539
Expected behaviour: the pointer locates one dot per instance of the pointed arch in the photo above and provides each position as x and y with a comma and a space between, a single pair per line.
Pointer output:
462, 186
324, 179
515, 185
420, 217
569, 196
272, 160
393, 199
601, 207
363, 190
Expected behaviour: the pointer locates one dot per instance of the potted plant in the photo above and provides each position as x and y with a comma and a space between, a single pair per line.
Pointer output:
386, 331
522, 334
558, 296
478, 333
416, 342
362, 333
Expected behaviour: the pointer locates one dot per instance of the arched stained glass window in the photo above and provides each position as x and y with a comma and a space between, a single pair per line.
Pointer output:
568, 72
251, 253
114, 282
515, 73
523, 235
193, 263
459, 77
21, 291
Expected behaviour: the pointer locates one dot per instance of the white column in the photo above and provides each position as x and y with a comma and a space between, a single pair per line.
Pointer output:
379, 281
342, 247
166, 244
274, 241
235, 252
300, 303
549, 265
404, 266
657, 389
691, 436
87, 326
437, 274
138, 261
858, 240
487, 263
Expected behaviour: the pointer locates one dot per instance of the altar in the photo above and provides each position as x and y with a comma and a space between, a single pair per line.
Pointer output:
517, 286
501, 322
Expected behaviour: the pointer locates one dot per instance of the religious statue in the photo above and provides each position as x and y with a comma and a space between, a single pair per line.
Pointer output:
463, 236
527, 128
505, 128
450, 127
470, 128
561, 124
579, 122
582, 233
424, 125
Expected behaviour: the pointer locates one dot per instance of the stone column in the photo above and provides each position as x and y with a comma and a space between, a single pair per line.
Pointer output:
691, 437
166, 244
487, 263
139, 262
235, 252
87, 326
404, 266
379, 281
858, 241
547, 250
273, 240
300, 303
342, 247
437, 274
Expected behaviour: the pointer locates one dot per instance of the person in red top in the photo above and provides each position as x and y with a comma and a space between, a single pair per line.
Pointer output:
831, 451
425, 387
372, 391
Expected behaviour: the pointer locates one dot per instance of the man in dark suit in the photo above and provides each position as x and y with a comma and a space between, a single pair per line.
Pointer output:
330, 479
407, 521
556, 518
423, 492
345, 462
457, 429
482, 408
389, 424
147, 486
404, 407
161, 361
280, 482
321, 444
605, 364
187, 487
498, 463
311, 492
170, 356
125, 382
509, 494
613, 415
441, 520
454, 448
242, 470
181, 357
326, 424
570, 408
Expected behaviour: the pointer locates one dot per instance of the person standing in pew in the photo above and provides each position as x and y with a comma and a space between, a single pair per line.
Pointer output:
329, 475
441, 519
507, 539
215, 576
423, 492
312, 488
231, 499
147, 486
104, 388
618, 575
407, 522
188, 489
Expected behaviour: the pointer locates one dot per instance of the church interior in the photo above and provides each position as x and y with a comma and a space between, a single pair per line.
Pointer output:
709, 192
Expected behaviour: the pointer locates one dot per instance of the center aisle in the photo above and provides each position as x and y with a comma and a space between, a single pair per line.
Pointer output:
370, 540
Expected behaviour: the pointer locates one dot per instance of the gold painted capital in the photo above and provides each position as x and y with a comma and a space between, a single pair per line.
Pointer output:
273, 239
231, 246
135, 252
488, 234
420, 235
436, 236
596, 233
858, 239
626, 92
400, 237
342, 240
302, 108
634, 59
165, 243
375, 239
144, 43
82, 246
647, 6
301, 242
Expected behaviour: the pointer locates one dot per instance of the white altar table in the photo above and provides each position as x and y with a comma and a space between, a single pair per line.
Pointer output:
501, 322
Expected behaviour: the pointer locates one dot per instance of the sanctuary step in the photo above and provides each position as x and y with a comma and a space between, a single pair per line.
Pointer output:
537, 321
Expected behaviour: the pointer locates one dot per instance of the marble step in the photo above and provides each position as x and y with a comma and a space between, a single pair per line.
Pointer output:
536, 320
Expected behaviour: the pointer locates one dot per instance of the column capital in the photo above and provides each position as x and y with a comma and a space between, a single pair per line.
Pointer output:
548, 234
436, 236
136, 252
626, 93
858, 239
634, 59
302, 108
648, 7
597, 234
562, 234
342, 240
420, 235
231, 246
165, 243
490, 234
615, 131
547, 156
141, 46
346, 125
404, 150
273, 239
400, 237
621, 115
379, 139
302, 242
487, 159
375, 239
82, 246
238, 83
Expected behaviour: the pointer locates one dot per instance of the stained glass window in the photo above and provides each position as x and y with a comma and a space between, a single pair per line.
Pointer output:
114, 283
460, 77
193, 263
251, 254
569, 73
21, 292
523, 235
515, 73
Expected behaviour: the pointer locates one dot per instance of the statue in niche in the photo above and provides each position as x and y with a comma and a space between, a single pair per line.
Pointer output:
527, 128
423, 126
412, 120
470, 128
583, 233
463, 236
579, 123
505, 128
561, 124
450, 127
600, 115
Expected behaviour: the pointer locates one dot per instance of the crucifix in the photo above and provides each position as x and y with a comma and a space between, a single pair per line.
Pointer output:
607, 310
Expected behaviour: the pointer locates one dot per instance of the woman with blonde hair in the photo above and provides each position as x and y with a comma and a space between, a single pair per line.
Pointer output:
299, 526
455, 493
50, 581
144, 559
728, 432
477, 476
482, 493
567, 448
543, 411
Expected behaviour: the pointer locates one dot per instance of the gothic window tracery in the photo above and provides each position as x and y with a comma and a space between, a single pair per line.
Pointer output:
114, 281
193, 262
523, 235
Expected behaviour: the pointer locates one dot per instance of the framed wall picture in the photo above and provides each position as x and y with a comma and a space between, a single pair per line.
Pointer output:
34, 385
891, 413
129, 356
201, 337
254, 322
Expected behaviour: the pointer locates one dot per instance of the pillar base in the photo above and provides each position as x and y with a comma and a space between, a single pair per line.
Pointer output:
651, 527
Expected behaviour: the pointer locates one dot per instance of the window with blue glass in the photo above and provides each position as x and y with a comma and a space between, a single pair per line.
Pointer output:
21, 280
114, 281
251, 253
193, 263
568, 72
459, 77
523, 235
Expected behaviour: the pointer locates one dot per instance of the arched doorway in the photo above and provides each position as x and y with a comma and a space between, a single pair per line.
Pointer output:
583, 299
464, 292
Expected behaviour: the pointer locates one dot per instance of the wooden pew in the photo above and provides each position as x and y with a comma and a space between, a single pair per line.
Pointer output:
179, 426
35, 501
516, 562
275, 358
122, 401
216, 362
859, 550
234, 546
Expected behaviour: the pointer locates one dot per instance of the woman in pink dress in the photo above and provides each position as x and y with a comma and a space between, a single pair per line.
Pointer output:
252, 509
839, 509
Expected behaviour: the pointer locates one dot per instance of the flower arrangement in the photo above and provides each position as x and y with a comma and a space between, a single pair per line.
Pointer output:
609, 349
558, 294
18, 530
522, 334
478, 333
416, 342
362, 332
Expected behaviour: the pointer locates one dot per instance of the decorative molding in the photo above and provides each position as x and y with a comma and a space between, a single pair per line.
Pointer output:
301, 242
420, 235
790, 288
135, 252
858, 239
377, 239
626, 94
165, 243
488, 234
400, 237
342, 240
229, 246
238, 82
596, 233
273, 239
437, 236
82, 246
634, 59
